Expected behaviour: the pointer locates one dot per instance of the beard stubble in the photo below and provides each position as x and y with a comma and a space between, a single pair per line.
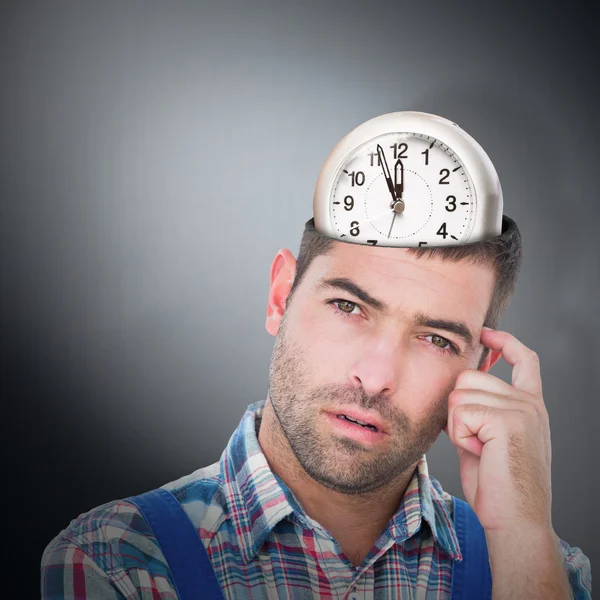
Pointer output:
338, 462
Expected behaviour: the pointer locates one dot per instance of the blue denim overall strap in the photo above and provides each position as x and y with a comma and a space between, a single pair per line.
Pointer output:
193, 574
192, 571
471, 577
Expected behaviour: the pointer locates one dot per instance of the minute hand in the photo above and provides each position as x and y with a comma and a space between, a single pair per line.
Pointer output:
386, 173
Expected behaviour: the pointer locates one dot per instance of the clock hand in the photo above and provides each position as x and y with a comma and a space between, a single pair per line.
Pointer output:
398, 186
386, 173
393, 219
382, 214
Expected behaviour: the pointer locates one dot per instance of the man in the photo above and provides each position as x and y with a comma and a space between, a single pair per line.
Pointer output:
306, 502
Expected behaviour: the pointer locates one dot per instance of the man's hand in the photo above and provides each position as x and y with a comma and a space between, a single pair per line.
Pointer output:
502, 434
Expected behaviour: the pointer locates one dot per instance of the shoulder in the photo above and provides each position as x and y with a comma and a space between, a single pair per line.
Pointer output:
576, 562
114, 546
202, 496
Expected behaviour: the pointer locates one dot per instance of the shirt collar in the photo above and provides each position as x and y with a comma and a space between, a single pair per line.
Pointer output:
425, 499
257, 499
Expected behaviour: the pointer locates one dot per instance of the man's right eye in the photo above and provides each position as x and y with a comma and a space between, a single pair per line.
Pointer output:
345, 308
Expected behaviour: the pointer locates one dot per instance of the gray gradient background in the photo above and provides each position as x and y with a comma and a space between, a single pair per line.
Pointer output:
155, 156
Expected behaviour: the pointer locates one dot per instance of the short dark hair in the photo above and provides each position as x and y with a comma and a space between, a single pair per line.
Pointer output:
503, 252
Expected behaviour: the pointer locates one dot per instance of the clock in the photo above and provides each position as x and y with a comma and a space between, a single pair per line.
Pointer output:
408, 179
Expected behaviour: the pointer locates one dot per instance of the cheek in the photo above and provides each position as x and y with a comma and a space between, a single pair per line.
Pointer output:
319, 335
427, 392
314, 346
438, 381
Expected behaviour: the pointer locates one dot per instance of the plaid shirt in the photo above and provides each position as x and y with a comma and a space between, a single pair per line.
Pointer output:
262, 544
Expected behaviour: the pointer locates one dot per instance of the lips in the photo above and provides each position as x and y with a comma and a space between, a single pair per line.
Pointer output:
357, 422
367, 420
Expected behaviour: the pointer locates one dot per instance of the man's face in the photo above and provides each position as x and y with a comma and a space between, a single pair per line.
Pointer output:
337, 354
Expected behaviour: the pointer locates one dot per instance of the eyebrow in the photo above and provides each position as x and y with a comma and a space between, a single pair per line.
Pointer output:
421, 319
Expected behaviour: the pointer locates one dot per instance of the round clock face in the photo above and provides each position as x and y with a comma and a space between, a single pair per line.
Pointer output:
403, 189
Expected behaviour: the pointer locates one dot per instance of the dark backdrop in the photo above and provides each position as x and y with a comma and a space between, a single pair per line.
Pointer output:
154, 158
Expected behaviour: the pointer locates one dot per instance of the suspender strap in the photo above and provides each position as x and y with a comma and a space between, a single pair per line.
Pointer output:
472, 577
192, 571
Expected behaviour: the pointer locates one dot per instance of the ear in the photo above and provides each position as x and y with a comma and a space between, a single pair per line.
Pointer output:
491, 359
283, 271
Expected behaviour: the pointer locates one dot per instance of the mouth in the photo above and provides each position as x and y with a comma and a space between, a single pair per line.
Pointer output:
360, 418
367, 425
360, 430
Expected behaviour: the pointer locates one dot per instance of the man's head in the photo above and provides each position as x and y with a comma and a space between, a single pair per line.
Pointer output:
382, 330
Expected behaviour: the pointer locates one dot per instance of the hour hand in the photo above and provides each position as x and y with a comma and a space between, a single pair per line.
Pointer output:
386, 173
398, 186
399, 179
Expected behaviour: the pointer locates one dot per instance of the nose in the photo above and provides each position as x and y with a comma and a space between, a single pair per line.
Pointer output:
378, 366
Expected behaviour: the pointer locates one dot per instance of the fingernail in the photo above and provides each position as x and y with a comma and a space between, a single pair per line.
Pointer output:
488, 328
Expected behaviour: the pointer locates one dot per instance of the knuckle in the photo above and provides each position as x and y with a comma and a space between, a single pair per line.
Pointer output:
459, 409
455, 396
465, 378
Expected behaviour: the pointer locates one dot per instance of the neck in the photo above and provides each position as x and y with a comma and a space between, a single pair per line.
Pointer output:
356, 521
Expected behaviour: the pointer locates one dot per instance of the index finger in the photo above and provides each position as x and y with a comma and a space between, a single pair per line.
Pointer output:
525, 362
